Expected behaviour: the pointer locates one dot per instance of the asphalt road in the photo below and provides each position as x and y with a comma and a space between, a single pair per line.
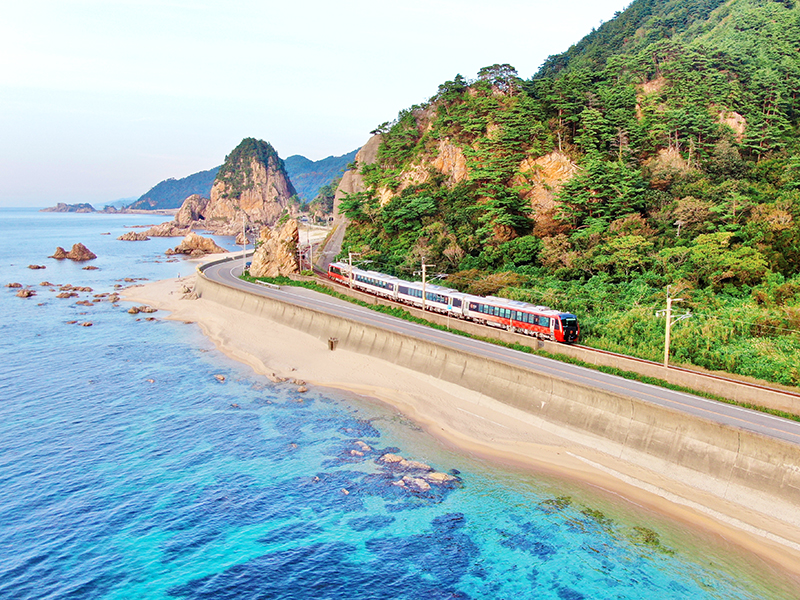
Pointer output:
768, 425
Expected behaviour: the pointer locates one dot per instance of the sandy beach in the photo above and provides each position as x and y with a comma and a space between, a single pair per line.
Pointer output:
478, 425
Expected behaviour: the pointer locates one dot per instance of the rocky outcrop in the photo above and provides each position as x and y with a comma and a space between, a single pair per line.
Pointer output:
196, 245
352, 181
72, 208
192, 210
133, 236
79, 252
276, 255
253, 183
167, 229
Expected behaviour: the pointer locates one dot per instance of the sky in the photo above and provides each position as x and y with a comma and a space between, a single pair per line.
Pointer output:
102, 99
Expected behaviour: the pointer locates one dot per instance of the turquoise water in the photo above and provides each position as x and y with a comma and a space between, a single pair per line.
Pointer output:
129, 471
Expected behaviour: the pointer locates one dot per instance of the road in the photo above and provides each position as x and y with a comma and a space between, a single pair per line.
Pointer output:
764, 424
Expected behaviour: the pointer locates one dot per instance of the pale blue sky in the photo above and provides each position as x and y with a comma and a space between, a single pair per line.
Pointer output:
102, 99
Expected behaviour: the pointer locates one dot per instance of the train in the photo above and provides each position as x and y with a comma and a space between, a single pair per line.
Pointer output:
512, 315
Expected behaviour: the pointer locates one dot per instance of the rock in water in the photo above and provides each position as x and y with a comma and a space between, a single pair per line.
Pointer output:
133, 236
79, 252
276, 255
196, 245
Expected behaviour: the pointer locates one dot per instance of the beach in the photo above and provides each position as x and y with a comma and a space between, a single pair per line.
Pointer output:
475, 424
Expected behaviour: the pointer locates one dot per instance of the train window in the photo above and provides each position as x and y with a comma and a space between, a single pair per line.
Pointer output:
569, 321
544, 321
457, 302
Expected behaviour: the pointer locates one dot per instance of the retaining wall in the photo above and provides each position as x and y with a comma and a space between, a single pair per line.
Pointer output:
740, 460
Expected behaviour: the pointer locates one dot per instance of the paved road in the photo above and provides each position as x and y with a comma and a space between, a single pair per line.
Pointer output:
227, 273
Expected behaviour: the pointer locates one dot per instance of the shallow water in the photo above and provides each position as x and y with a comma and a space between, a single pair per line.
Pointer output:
130, 471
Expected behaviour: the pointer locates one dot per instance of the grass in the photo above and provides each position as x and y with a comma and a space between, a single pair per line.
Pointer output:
401, 313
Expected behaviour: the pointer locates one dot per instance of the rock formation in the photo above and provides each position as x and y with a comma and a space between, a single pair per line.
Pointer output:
276, 254
352, 181
133, 236
79, 252
252, 181
196, 245
252, 185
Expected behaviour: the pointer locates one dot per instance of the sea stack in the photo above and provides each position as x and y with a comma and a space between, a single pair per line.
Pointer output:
252, 182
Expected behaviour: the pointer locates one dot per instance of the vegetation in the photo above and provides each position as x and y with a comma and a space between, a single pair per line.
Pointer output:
237, 170
171, 193
310, 177
682, 122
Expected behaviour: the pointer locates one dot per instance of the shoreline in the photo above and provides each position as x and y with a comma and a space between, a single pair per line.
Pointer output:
474, 424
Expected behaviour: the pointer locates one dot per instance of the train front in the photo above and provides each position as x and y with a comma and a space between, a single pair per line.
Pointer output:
569, 328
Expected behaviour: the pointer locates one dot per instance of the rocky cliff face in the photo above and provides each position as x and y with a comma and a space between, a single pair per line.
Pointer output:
276, 255
352, 181
253, 183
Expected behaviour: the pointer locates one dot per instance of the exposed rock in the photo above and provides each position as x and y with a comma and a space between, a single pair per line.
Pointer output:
352, 181
85, 303
356, 453
391, 458
192, 209
133, 236
276, 254
414, 465
363, 445
220, 378
79, 253
302, 389
168, 229
196, 245
439, 478
543, 178
67, 295
36, 267
275, 379
90, 268
133, 310
416, 484
47, 284
252, 181
87, 324
13, 285
26, 293
736, 122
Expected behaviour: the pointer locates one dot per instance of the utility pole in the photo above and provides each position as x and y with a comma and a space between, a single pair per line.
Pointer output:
350, 256
668, 330
424, 267
244, 246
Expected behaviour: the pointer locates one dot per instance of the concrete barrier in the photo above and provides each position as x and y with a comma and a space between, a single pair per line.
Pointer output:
749, 466
693, 380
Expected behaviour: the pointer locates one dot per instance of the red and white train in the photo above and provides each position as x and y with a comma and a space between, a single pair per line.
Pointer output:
512, 315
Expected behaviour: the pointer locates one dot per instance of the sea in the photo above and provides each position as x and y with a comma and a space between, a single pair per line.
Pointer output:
129, 470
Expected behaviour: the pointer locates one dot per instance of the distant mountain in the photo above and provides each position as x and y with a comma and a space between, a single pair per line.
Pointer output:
170, 193
309, 176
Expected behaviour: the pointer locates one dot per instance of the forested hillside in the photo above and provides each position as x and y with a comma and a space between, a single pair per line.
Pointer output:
308, 176
170, 193
662, 149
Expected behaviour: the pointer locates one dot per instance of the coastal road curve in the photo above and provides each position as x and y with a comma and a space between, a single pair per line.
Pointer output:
227, 274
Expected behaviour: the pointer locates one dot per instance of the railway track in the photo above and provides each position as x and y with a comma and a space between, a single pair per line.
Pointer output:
322, 275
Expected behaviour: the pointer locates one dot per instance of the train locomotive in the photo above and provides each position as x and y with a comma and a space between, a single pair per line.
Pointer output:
521, 317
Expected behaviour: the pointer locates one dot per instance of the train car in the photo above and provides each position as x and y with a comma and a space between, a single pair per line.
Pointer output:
340, 272
522, 317
437, 298
512, 315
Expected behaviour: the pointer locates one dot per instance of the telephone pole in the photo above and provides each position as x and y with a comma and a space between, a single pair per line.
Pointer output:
668, 331
424, 267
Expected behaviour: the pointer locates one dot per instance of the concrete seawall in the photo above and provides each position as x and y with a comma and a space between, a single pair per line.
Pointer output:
739, 466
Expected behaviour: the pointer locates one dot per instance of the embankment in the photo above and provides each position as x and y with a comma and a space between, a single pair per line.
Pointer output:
747, 469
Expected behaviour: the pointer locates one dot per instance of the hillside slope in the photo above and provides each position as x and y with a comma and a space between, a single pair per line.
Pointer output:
660, 150
170, 193
309, 176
